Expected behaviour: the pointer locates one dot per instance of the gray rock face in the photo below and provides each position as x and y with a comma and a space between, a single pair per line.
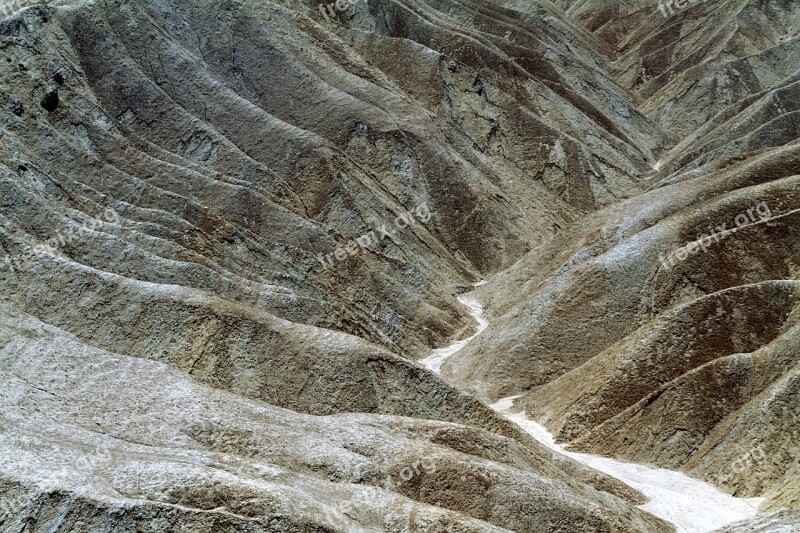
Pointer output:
92, 454
780, 522
662, 330
230, 228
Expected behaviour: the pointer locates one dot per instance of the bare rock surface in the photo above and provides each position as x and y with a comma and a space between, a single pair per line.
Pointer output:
177, 451
231, 230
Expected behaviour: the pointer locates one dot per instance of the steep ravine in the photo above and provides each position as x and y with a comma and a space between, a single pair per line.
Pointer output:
230, 230
691, 505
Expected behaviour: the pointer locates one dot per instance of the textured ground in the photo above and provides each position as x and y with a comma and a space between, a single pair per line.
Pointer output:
196, 346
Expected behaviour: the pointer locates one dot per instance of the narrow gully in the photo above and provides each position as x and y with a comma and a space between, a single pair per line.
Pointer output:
691, 505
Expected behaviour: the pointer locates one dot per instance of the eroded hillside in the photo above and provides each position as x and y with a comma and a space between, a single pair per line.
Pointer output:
231, 229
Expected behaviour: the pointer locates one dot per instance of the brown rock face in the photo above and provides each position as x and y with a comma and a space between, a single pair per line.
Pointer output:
231, 229
662, 330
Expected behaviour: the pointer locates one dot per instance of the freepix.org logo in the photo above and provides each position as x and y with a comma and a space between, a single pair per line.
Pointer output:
421, 214
666, 6
24, 260
338, 5
704, 242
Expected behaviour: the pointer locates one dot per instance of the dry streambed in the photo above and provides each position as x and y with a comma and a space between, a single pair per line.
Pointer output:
691, 505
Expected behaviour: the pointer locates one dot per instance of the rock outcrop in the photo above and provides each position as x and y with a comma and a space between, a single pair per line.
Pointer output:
230, 230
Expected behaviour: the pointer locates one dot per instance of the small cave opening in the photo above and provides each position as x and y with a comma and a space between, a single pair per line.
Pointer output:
50, 101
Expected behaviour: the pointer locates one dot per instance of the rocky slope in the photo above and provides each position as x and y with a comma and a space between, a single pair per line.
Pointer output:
663, 329
231, 228
89, 455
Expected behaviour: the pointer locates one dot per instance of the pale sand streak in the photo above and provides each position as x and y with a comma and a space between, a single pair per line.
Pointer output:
435, 360
690, 504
